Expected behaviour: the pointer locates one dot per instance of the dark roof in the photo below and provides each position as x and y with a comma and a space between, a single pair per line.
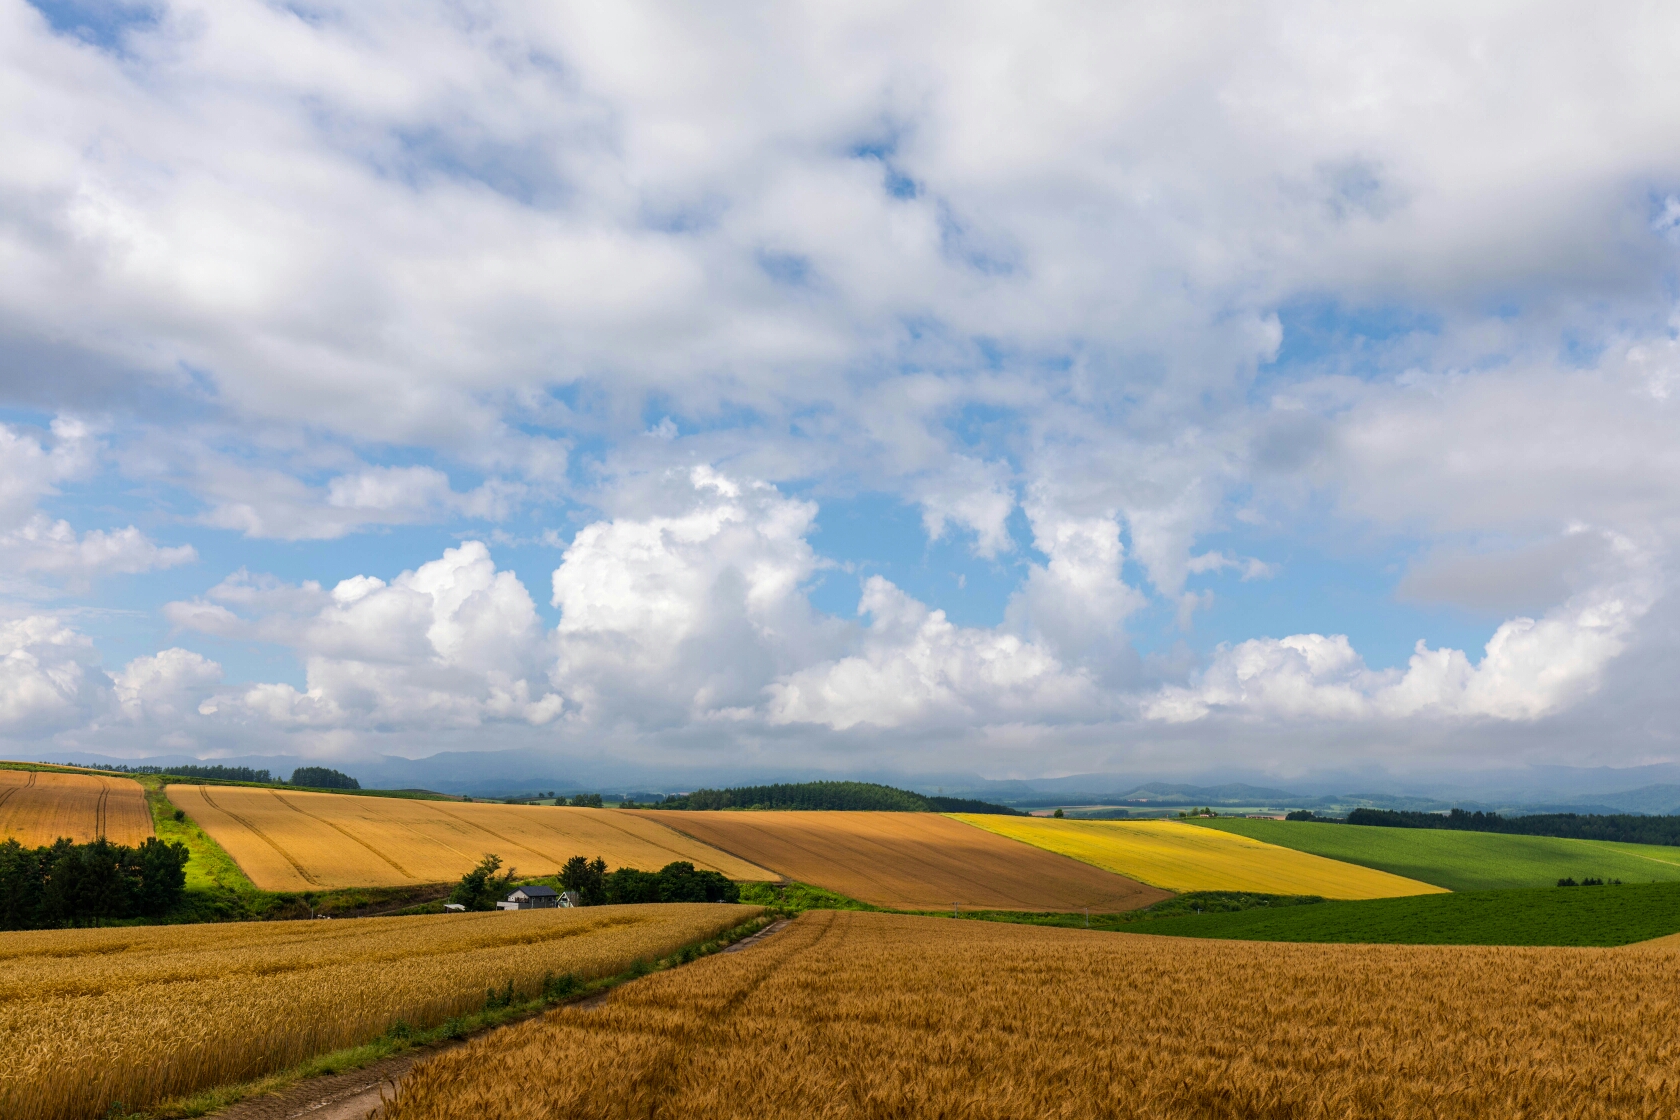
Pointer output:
536, 892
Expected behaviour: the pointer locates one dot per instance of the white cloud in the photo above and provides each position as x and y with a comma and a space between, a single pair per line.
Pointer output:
975, 495
31, 542
971, 257
453, 643
41, 544
691, 610
916, 668
1077, 604
166, 688
1530, 669
49, 677
1249, 567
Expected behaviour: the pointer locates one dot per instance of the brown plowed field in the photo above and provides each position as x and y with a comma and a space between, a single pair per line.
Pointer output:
38, 806
882, 1015
305, 841
912, 861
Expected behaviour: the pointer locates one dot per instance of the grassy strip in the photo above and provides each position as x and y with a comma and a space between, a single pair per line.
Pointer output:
218, 891
498, 1011
1190, 904
1465, 861
793, 898
1603, 916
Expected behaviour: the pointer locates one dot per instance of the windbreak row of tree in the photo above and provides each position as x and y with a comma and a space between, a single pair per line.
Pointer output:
481, 888
69, 884
581, 800
317, 777
1626, 827
675, 882
869, 796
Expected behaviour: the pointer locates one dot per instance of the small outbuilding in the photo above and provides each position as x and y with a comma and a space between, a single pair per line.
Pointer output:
530, 898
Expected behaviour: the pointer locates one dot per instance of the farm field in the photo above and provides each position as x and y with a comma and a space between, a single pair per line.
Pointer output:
1465, 861
287, 841
867, 1014
141, 1014
911, 861
1532, 916
1182, 857
39, 806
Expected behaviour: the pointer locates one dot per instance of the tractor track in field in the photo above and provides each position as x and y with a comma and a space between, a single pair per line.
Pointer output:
265, 837
361, 1094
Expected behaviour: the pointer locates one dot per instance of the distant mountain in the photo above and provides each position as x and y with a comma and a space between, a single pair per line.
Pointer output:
1231, 793
1654, 801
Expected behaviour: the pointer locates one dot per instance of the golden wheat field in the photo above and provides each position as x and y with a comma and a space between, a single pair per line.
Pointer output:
880, 1015
914, 861
304, 841
39, 806
88, 1017
1183, 857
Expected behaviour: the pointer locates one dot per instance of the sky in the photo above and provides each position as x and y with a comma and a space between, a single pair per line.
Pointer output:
1014, 390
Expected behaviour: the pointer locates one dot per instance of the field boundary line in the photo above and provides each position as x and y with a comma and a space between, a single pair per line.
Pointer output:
284, 854
785, 877
347, 834
626, 832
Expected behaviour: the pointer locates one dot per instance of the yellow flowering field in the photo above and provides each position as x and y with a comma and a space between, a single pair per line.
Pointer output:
1182, 857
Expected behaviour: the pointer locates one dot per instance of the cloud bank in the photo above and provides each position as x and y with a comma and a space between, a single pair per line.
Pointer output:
1296, 376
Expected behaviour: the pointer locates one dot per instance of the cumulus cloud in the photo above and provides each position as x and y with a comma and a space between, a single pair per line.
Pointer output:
1296, 272
453, 643
1530, 668
49, 677
1077, 603
916, 668
692, 610
166, 688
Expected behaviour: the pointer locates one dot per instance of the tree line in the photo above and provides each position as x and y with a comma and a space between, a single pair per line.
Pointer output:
70, 884
481, 888
833, 796
318, 777
1625, 827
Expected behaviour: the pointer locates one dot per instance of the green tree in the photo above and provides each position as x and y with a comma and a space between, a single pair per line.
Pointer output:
588, 878
481, 888
320, 777
162, 875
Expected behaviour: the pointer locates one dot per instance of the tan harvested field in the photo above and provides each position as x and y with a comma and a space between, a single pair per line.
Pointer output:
912, 861
878, 1015
89, 1017
39, 806
305, 841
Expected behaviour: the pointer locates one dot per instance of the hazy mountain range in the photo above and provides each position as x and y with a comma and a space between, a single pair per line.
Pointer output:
1646, 789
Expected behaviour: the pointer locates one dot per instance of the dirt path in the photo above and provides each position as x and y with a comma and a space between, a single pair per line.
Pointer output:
357, 1095
340, 1096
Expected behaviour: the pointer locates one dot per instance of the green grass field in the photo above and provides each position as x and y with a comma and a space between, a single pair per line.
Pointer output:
1466, 861
1541, 916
